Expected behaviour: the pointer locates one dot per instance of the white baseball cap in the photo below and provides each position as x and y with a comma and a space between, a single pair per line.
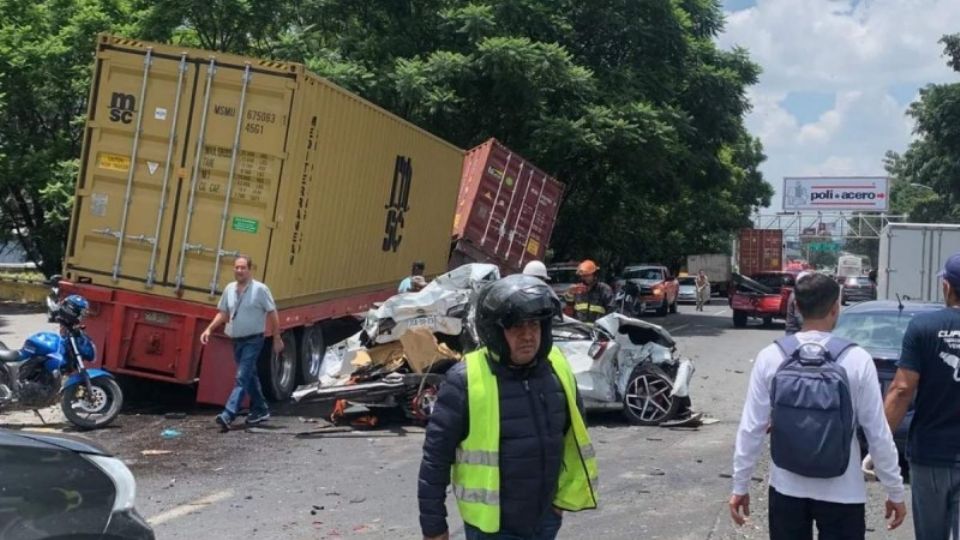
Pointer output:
536, 269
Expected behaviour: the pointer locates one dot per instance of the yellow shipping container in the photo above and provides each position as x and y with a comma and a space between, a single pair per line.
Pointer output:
193, 157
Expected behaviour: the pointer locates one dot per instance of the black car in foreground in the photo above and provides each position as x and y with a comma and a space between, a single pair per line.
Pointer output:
878, 326
57, 486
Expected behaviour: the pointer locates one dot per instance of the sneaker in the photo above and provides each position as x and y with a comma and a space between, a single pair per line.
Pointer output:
254, 419
222, 422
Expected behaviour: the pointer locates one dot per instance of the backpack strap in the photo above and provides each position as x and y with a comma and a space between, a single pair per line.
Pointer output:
837, 346
788, 345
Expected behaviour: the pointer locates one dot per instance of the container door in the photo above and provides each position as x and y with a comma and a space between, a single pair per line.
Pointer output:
135, 144
237, 152
531, 224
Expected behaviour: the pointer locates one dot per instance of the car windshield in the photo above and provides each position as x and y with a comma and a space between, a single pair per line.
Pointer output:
566, 275
687, 281
643, 273
874, 330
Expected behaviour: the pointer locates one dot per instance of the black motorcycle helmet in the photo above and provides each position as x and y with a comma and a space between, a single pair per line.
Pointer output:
513, 299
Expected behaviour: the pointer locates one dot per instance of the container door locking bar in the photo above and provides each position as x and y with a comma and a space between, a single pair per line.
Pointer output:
152, 269
197, 158
121, 235
233, 167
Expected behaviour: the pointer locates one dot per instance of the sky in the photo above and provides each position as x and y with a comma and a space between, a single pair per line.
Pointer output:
838, 76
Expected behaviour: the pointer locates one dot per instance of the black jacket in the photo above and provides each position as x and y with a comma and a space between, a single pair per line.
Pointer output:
533, 420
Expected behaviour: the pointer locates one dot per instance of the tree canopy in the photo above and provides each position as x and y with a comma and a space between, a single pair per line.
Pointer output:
926, 177
630, 104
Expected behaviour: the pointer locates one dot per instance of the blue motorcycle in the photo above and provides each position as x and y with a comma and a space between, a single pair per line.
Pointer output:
50, 366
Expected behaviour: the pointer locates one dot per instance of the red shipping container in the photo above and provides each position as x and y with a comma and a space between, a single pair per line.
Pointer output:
505, 211
761, 250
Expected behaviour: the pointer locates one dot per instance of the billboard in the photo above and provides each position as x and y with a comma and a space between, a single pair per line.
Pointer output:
836, 193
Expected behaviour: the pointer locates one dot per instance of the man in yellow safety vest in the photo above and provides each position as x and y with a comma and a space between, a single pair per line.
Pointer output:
507, 429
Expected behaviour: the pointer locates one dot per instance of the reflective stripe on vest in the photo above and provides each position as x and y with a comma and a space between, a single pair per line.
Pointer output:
473, 495
476, 471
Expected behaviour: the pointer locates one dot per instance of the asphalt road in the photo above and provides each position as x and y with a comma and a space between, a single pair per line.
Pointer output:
277, 484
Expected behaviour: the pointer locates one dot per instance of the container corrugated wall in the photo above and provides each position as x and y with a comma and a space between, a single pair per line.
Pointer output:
761, 250
506, 209
329, 194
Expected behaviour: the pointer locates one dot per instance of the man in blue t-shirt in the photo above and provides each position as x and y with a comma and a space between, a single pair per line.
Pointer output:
929, 368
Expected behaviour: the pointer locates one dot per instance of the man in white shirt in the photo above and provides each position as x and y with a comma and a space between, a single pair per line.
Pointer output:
835, 504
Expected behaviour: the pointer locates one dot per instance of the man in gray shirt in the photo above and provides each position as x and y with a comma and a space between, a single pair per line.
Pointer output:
245, 306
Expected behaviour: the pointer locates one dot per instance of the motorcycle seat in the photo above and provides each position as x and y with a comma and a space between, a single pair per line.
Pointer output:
7, 355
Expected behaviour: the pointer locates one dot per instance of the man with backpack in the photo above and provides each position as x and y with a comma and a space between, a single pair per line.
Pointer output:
811, 391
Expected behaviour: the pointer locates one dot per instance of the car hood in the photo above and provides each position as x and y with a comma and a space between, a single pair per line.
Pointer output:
884, 355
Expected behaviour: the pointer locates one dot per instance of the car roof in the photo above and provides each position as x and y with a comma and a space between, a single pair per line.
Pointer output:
642, 266
50, 441
891, 306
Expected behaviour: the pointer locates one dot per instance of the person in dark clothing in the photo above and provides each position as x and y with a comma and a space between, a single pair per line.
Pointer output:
508, 428
929, 372
794, 318
592, 298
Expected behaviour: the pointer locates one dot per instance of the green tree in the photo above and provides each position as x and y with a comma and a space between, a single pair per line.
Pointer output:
46, 50
629, 103
933, 159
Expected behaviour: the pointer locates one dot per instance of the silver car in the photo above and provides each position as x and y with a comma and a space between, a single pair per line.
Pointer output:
688, 289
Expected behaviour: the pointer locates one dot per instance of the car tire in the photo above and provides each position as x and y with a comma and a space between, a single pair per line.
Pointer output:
663, 309
312, 349
673, 306
647, 400
739, 319
278, 372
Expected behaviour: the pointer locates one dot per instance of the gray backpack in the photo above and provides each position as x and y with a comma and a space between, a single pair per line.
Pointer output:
812, 422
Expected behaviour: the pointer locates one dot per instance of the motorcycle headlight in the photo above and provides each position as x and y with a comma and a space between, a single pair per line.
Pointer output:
122, 479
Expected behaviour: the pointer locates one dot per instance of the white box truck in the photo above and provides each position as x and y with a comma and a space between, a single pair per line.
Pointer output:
911, 256
715, 265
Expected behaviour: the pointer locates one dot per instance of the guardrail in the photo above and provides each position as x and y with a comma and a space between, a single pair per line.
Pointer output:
25, 291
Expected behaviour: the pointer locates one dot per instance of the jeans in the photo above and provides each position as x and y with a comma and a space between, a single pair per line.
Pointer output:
246, 351
792, 519
547, 530
936, 502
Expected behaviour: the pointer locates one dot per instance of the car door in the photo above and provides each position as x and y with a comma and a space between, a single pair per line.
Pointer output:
50, 492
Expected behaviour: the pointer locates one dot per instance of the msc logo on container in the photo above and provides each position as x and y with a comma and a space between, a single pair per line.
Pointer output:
122, 107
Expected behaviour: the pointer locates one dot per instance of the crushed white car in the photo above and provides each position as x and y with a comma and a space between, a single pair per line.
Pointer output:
619, 362
628, 364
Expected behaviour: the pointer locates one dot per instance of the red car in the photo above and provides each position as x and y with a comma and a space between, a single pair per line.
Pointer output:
763, 295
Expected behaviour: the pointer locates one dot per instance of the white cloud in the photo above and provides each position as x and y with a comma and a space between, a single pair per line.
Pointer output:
856, 50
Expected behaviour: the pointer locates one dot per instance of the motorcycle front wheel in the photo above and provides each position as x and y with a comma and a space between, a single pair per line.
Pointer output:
95, 410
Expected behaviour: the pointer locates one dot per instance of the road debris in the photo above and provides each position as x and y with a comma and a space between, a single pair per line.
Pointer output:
155, 452
171, 433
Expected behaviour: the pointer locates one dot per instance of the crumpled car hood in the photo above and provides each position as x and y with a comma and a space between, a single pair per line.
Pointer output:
441, 305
